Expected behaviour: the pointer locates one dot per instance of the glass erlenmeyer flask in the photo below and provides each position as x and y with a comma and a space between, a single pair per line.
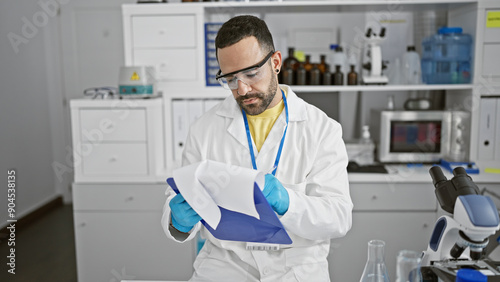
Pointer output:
375, 270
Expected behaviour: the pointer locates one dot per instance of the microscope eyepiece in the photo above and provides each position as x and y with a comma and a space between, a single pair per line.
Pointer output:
437, 175
459, 171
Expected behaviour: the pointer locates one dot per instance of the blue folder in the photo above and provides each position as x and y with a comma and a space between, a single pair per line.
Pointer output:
235, 226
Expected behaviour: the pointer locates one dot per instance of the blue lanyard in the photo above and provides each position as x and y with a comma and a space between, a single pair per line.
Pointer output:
249, 137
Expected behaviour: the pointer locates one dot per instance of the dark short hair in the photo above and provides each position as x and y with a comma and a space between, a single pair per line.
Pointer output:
240, 27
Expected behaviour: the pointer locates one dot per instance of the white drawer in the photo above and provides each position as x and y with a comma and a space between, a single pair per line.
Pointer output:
119, 197
393, 196
114, 159
170, 64
120, 124
172, 31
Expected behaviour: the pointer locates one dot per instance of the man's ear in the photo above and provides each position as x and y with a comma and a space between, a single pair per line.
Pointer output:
276, 61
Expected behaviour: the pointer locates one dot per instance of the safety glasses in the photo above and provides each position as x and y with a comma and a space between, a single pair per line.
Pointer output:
249, 75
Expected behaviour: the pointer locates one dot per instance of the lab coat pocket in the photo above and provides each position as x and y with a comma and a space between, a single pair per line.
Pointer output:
299, 187
308, 264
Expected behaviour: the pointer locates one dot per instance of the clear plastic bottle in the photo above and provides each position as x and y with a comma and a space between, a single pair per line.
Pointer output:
408, 266
340, 58
411, 66
375, 270
446, 57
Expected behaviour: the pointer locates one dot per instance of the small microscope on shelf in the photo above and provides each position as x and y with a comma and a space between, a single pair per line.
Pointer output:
458, 241
372, 59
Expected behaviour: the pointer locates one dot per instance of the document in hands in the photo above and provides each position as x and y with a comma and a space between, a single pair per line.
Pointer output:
230, 202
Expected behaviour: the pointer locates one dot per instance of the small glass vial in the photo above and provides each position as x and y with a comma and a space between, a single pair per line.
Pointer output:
338, 76
390, 103
375, 270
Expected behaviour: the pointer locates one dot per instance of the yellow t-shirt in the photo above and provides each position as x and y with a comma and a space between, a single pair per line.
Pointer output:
261, 124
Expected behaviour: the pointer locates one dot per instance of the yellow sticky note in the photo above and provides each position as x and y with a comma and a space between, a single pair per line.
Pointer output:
300, 55
493, 19
492, 170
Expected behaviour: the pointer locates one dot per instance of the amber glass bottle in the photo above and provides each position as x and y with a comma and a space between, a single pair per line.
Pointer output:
338, 76
352, 77
323, 66
308, 67
301, 75
289, 62
327, 77
315, 75
288, 76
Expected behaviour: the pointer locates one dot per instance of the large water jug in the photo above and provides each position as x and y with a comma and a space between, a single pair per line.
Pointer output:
446, 57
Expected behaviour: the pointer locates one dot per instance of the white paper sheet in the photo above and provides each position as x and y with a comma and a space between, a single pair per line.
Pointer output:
209, 184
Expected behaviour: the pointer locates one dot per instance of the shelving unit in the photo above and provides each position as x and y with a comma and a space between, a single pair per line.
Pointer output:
380, 88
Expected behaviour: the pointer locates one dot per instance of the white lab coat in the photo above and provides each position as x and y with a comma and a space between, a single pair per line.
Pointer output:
312, 169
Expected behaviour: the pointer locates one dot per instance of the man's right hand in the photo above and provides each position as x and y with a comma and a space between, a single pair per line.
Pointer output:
183, 216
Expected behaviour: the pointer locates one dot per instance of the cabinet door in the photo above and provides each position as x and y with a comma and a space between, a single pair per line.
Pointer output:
112, 246
399, 230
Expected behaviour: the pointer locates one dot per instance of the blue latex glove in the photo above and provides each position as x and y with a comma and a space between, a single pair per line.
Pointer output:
183, 216
276, 195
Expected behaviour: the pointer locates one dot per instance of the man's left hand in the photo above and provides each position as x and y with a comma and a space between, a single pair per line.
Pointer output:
276, 195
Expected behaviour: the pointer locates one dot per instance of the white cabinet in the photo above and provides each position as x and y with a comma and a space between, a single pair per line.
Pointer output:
118, 140
168, 39
402, 215
119, 236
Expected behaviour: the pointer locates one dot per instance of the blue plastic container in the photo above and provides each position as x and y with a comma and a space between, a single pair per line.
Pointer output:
446, 57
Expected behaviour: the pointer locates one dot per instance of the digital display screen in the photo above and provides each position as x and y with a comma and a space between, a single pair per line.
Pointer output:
415, 136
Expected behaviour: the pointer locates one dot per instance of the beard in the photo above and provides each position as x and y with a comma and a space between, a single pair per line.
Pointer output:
264, 99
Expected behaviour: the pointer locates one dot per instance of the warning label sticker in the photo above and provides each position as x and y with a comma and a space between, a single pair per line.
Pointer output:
135, 76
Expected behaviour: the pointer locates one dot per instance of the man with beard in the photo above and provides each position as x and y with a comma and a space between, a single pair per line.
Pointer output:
308, 187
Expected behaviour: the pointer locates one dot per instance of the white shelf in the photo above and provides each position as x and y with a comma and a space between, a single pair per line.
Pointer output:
385, 88
284, 3
360, 4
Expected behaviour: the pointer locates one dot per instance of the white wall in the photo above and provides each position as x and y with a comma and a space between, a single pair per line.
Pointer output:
26, 138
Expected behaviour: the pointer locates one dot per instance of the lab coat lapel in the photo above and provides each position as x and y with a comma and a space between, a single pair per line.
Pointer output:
236, 125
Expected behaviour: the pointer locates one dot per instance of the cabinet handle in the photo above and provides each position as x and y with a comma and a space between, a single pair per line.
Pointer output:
113, 159
83, 224
130, 198
374, 197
